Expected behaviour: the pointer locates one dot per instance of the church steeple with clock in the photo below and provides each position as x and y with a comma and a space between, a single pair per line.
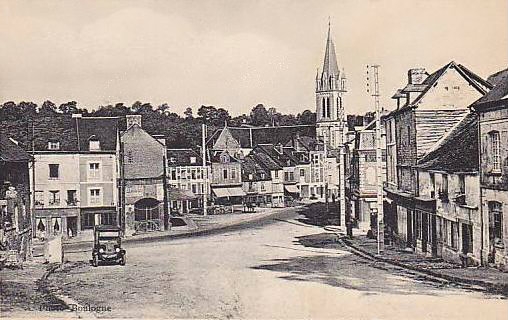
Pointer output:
330, 89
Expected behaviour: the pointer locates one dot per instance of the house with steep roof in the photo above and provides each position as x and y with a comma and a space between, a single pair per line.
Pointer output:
257, 181
448, 222
75, 173
429, 106
492, 110
276, 175
143, 167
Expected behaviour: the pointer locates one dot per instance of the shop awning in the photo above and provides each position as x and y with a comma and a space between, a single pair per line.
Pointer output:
179, 194
228, 192
291, 188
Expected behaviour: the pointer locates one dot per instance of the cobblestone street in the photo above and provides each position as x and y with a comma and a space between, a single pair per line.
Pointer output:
286, 269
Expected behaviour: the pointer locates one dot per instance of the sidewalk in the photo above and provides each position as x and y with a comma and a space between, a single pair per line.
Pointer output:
489, 279
203, 225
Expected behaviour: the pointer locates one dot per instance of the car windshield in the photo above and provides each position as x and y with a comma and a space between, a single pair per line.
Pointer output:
108, 235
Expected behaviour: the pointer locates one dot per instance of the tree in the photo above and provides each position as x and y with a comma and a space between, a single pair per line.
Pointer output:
259, 116
188, 113
48, 108
163, 108
306, 117
68, 107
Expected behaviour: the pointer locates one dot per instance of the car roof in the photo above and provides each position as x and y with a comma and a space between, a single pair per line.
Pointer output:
107, 228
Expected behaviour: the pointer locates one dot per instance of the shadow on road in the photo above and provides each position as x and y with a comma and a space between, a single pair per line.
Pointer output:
345, 271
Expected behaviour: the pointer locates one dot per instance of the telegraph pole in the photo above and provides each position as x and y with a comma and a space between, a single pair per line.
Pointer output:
205, 171
379, 162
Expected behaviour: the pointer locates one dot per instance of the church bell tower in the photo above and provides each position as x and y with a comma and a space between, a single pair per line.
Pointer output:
330, 89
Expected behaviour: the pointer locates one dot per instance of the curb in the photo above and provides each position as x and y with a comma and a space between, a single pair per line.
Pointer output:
264, 219
432, 275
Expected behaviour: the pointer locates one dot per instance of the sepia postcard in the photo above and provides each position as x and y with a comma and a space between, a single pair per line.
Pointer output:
254, 159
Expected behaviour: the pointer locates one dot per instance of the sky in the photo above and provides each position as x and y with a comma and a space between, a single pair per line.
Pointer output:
235, 54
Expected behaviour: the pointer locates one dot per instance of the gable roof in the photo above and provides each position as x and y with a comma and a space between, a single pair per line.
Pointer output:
182, 157
11, 152
476, 81
252, 166
283, 159
264, 159
249, 137
74, 134
499, 92
457, 151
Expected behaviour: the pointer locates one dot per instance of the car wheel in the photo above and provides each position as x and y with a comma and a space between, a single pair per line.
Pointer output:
95, 261
122, 261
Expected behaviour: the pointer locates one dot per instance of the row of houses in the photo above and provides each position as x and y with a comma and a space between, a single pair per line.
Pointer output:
88, 171
445, 164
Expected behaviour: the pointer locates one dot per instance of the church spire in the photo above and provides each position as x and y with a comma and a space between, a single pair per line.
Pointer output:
330, 62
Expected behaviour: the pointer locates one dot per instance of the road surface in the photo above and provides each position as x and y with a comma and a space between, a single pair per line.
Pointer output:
285, 269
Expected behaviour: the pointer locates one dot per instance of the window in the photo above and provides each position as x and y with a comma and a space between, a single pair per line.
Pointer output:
54, 171
130, 159
39, 198
233, 173
95, 197
94, 171
251, 176
193, 173
262, 186
432, 185
462, 184
286, 176
53, 145
443, 192
291, 176
263, 176
323, 108
183, 174
419, 225
302, 172
194, 189
54, 197
173, 174
496, 222
94, 145
454, 236
87, 220
495, 150
71, 198
192, 160
225, 173
276, 174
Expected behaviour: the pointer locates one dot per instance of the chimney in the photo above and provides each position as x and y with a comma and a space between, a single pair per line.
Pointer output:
133, 119
416, 76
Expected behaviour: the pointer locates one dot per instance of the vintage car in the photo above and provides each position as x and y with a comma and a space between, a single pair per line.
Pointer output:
107, 245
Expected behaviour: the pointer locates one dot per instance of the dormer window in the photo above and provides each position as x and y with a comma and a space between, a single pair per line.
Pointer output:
251, 176
192, 160
94, 145
224, 158
54, 145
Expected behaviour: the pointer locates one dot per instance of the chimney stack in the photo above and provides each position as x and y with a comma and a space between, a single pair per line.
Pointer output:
133, 119
416, 76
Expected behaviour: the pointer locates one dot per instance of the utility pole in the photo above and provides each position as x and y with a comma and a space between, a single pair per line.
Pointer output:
205, 171
379, 162
167, 217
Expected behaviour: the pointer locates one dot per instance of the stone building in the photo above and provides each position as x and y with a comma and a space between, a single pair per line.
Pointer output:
143, 164
429, 106
493, 117
447, 215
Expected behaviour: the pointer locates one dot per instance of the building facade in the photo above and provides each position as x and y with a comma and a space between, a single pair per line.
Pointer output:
429, 106
493, 117
75, 174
